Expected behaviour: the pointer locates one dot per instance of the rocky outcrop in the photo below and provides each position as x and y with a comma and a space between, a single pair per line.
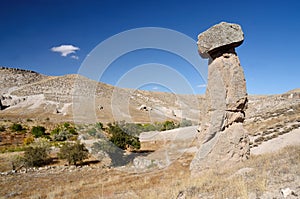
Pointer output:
13, 78
222, 137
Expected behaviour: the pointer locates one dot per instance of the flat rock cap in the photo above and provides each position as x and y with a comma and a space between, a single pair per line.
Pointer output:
219, 37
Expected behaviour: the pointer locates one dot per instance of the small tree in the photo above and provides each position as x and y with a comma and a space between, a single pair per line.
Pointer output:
73, 153
37, 154
121, 139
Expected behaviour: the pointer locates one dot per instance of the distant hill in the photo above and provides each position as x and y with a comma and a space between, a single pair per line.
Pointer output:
28, 94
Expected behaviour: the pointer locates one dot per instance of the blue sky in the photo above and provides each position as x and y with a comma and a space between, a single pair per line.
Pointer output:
269, 54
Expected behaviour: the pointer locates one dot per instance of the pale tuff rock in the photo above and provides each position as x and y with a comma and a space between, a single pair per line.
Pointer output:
219, 38
221, 134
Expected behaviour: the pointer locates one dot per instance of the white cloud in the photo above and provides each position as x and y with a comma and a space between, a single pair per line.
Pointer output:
74, 57
155, 88
65, 50
201, 85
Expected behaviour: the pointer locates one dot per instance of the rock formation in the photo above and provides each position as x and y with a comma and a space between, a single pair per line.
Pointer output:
221, 134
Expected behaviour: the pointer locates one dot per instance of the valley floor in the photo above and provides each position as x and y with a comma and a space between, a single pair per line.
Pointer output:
262, 176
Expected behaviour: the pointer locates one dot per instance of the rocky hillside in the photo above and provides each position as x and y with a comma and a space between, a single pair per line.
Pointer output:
269, 117
27, 94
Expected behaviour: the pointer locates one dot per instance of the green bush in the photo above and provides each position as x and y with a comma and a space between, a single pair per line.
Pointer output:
168, 125
16, 127
66, 125
99, 126
64, 132
38, 131
121, 139
72, 131
55, 131
73, 153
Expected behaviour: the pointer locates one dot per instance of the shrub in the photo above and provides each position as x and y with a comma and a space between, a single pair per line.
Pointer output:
28, 140
92, 132
185, 123
64, 132
149, 127
16, 127
37, 154
61, 136
66, 125
73, 152
99, 126
38, 131
121, 139
55, 131
72, 131
168, 125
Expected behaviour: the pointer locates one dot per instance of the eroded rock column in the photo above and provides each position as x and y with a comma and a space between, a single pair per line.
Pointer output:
222, 138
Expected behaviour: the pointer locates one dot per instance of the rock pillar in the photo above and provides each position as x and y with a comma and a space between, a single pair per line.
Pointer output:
222, 138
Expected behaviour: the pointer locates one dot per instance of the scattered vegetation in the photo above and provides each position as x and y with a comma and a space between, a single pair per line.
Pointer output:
136, 129
64, 132
168, 125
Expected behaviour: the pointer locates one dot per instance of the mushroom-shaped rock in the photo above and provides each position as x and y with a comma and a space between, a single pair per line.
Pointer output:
221, 37
222, 137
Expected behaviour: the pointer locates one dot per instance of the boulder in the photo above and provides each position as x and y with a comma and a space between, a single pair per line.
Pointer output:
220, 37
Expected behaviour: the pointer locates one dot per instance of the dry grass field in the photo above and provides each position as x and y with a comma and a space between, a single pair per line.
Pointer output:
255, 178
